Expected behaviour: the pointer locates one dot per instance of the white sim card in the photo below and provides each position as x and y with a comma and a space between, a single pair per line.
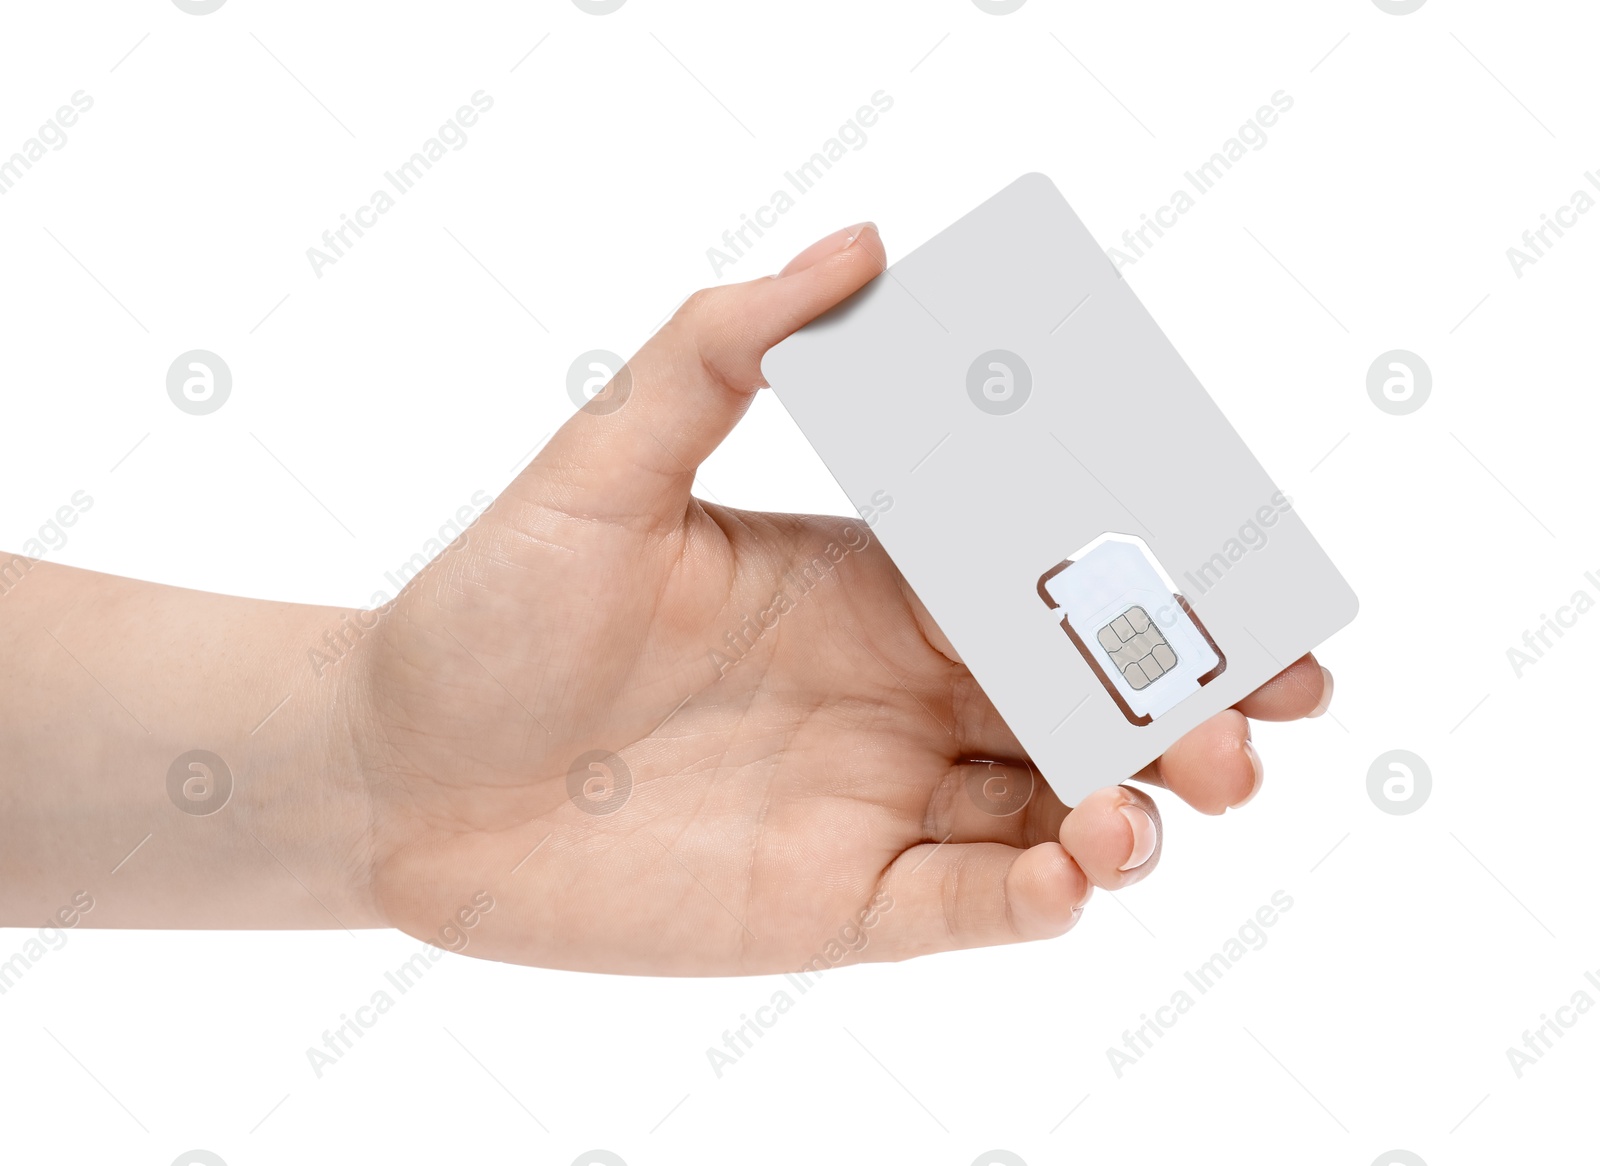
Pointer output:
1131, 626
1097, 542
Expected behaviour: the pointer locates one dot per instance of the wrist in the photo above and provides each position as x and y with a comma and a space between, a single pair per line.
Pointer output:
310, 805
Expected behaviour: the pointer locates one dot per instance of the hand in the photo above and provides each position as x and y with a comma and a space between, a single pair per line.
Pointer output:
748, 798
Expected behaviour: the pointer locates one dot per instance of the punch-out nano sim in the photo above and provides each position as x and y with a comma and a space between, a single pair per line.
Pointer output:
1132, 627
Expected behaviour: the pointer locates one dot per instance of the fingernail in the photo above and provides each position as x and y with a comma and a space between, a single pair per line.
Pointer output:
854, 233
1257, 769
824, 247
1327, 694
1144, 836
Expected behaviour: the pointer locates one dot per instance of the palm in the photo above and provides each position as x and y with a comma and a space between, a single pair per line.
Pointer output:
755, 756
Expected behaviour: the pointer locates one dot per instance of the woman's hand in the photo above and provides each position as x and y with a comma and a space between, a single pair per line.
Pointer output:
666, 737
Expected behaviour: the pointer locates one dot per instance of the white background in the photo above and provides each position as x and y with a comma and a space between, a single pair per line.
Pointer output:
408, 377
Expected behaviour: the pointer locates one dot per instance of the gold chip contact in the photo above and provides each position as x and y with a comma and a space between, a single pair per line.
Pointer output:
1137, 647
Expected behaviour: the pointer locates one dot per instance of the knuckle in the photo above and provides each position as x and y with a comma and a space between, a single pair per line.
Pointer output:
699, 307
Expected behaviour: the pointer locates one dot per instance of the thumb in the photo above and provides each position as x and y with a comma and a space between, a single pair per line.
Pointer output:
632, 451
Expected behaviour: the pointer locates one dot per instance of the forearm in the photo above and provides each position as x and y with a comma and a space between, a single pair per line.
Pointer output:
106, 684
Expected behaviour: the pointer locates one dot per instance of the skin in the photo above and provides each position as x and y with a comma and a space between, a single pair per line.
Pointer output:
834, 788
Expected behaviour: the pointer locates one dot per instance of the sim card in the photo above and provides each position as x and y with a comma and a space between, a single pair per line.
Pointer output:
1105, 554
1130, 625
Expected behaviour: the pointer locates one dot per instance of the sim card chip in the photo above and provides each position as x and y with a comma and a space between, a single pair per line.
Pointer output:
1137, 647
